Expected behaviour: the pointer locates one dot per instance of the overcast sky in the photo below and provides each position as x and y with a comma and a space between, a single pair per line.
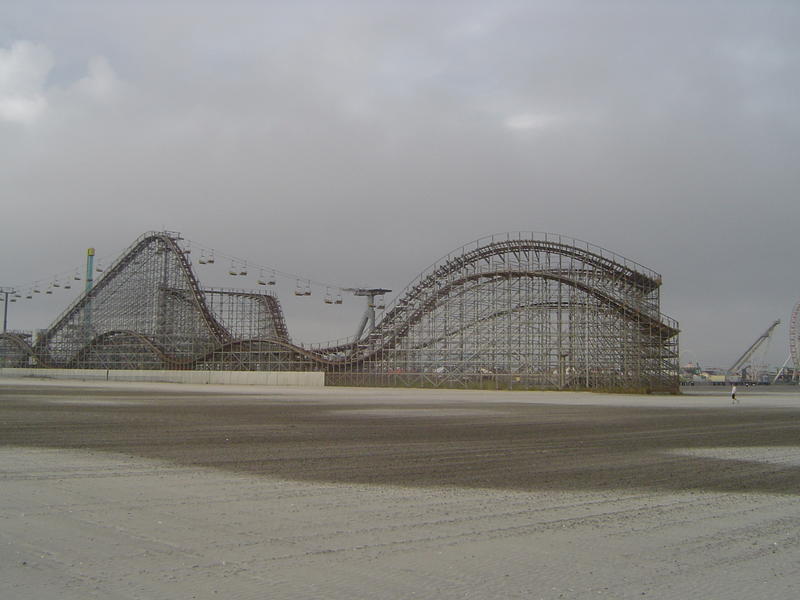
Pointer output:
357, 142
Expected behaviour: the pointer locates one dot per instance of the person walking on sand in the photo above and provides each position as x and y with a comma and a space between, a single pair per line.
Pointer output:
733, 395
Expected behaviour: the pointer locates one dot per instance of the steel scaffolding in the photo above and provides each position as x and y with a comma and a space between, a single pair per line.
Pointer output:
521, 311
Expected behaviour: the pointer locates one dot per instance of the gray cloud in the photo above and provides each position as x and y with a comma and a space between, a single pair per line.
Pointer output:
356, 142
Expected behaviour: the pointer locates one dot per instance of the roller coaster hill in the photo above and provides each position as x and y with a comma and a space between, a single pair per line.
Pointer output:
511, 311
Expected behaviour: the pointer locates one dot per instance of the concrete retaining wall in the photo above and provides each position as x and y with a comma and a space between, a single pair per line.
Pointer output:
276, 378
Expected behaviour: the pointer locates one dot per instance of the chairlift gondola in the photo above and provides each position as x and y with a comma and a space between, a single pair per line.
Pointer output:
243, 270
271, 280
233, 271
338, 299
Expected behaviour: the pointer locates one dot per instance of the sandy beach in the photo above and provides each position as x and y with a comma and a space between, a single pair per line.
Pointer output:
165, 491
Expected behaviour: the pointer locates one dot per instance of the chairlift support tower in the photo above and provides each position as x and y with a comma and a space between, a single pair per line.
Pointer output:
8, 293
369, 313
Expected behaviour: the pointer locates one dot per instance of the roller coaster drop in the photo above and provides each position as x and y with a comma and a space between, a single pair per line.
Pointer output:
515, 311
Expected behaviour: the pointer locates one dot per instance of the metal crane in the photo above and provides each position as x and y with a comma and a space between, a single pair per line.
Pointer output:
744, 358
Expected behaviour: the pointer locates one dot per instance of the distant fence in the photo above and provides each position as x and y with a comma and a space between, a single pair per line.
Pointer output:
274, 378
493, 381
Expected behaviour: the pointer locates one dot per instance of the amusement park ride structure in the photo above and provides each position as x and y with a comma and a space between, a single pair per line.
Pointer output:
745, 368
517, 310
794, 343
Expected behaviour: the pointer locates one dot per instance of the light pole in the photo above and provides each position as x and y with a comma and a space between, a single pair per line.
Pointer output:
6, 291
